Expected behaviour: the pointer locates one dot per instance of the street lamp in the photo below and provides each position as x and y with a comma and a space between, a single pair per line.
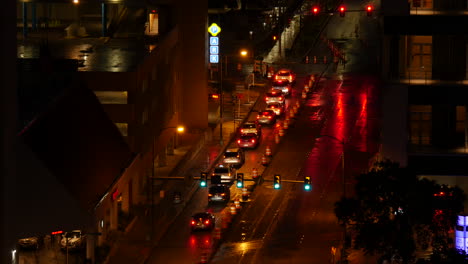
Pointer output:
244, 53
344, 258
179, 129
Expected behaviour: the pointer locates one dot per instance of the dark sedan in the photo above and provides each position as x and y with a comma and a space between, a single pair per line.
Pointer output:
202, 221
267, 117
248, 141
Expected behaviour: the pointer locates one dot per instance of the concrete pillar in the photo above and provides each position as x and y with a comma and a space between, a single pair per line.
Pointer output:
104, 19
90, 246
466, 128
33, 16
25, 19
9, 228
443, 125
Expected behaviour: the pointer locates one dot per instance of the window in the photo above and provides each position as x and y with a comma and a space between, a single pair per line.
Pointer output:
144, 116
144, 85
112, 97
420, 124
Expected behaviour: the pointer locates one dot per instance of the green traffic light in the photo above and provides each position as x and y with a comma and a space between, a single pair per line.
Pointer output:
203, 183
276, 186
307, 187
239, 185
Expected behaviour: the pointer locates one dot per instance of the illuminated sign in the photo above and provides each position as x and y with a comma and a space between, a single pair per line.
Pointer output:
214, 29
461, 236
214, 42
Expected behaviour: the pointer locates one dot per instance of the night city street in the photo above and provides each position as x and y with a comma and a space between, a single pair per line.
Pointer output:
234, 132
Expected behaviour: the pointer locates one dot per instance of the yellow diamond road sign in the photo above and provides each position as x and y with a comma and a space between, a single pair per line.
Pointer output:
214, 29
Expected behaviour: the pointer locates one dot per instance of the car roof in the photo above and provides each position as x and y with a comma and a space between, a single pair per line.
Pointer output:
204, 214
233, 150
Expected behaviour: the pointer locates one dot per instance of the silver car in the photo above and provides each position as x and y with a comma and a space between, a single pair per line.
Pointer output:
274, 96
234, 156
282, 85
226, 172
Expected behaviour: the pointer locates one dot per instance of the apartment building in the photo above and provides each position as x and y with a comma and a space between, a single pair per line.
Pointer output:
425, 108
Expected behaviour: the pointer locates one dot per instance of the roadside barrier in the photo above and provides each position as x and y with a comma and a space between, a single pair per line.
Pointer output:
268, 151
217, 233
315, 59
237, 204
277, 138
304, 94
264, 160
204, 258
254, 173
286, 124
281, 132
233, 210
245, 194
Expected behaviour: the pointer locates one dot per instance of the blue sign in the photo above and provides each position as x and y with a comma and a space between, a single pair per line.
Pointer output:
214, 41
214, 59
214, 50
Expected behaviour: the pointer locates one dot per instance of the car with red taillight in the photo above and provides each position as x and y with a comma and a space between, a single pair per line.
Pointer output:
276, 107
248, 141
275, 96
285, 74
267, 117
219, 193
282, 85
202, 221
251, 127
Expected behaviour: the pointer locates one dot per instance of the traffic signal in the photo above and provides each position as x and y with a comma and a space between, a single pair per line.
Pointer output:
307, 185
277, 181
369, 10
213, 96
275, 37
342, 9
203, 177
315, 10
240, 180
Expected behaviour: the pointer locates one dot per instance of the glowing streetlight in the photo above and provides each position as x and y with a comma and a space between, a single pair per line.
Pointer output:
76, 2
244, 53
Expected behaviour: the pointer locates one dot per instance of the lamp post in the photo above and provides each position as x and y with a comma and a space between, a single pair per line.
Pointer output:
344, 258
180, 129
244, 53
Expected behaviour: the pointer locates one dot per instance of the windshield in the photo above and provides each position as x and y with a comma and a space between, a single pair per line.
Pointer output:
217, 189
249, 126
230, 154
221, 170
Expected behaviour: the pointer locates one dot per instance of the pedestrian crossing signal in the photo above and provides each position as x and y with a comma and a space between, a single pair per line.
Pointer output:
277, 181
203, 177
307, 185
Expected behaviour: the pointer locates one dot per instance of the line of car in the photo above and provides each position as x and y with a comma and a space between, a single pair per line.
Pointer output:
248, 137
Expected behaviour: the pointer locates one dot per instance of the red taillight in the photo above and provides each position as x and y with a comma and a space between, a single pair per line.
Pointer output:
242, 130
269, 117
223, 194
210, 195
253, 140
281, 98
238, 141
258, 117
193, 222
207, 222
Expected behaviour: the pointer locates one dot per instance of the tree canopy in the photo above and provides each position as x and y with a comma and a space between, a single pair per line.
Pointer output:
393, 211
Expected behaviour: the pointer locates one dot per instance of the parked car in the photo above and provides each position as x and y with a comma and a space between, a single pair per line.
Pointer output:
234, 157
275, 96
74, 240
29, 243
202, 221
251, 127
248, 141
276, 107
219, 193
267, 117
226, 172
282, 85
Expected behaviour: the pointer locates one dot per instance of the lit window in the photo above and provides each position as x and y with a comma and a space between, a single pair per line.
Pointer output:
123, 128
112, 97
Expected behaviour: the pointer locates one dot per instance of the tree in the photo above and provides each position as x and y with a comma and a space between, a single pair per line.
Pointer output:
393, 209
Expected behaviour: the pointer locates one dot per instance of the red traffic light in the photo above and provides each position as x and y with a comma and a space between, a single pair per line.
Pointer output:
56, 232
369, 9
315, 10
342, 11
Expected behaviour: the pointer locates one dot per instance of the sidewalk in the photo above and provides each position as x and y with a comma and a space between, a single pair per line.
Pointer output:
134, 245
